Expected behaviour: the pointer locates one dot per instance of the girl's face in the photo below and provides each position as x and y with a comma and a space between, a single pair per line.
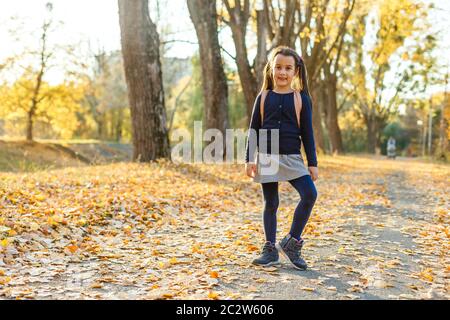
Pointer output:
283, 71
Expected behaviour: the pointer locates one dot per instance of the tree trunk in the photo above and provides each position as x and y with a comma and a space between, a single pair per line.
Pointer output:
323, 101
30, 126
246, 76
332, 116
215, 90
261, 54
101, 125
119, 125
371, 133
317, 52
280, 21
317, 117
443, 125
370, 138
443, 140
140, 49
424, 135
430, 125
238, 22
36, 99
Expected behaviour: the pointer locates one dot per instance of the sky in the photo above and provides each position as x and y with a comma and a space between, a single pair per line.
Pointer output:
96, 20
97, 23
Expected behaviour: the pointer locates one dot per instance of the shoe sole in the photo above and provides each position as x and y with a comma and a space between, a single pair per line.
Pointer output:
284, 254
273, 263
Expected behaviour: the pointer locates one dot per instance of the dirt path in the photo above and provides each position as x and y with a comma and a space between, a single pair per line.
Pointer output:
379, 230
369, 257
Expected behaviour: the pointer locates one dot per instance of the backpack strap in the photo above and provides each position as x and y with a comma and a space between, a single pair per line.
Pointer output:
261, 105
297, 103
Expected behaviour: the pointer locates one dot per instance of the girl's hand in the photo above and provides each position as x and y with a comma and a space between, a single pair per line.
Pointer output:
250, 169
314, 172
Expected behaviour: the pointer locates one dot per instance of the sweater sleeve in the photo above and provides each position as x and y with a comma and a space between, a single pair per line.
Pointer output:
307, 133
253, 135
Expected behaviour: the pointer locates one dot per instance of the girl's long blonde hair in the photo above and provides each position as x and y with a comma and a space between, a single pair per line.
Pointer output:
300, 82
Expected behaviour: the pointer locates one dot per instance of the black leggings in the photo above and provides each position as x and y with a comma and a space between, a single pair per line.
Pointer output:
308, 195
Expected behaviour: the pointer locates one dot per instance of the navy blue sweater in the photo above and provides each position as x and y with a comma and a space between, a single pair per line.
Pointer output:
279, 113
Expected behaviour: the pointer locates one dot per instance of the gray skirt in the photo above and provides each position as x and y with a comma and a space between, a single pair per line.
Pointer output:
279, 167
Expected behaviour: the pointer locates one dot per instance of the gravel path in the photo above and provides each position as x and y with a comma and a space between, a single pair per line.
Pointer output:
372, 254
379, 230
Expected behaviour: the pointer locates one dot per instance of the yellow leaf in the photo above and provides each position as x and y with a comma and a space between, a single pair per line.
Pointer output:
4, 243
39, 197
5, 280
81, 222
34, 226
427, 274
72, 248
213, 295
51, 221
127, 229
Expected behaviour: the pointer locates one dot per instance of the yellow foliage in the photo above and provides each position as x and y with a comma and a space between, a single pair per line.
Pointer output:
56, 105
396, 20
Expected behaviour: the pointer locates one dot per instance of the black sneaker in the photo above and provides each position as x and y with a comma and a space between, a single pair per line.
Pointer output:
269, 256
291, 248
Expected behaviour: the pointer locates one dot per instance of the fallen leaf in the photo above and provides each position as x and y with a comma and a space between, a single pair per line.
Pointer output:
72, 248
4, 243
213, 295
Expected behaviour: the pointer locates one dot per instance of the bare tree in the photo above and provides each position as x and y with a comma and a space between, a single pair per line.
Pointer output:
215, 91
140, 49
330, 69
238, 15
317, 46
238, 20
281, 22
261, 54
443, 125
44, 57
375, 99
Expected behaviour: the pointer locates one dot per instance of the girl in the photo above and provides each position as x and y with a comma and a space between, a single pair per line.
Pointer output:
280, 110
